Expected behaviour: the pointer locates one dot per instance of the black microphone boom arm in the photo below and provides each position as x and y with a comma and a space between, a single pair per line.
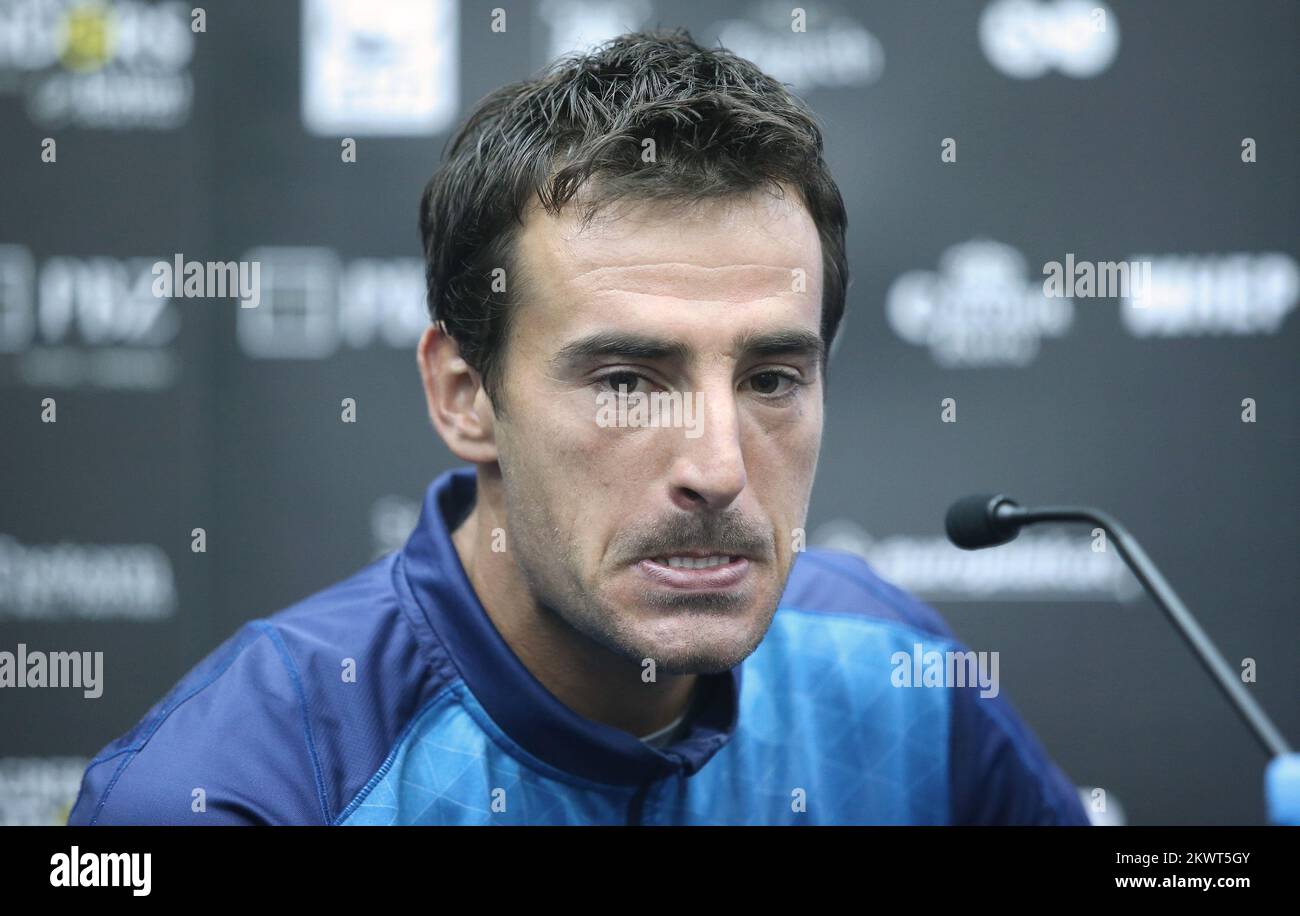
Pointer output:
1006, 517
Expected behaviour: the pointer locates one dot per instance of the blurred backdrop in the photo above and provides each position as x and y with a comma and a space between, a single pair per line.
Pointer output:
974, 142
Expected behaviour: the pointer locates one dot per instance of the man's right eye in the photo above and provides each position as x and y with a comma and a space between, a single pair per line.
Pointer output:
617, 380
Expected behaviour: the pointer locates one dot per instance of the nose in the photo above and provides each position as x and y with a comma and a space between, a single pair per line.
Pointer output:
708, 471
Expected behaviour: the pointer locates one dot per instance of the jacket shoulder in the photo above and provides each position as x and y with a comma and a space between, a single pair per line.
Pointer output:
282, 723
207, 750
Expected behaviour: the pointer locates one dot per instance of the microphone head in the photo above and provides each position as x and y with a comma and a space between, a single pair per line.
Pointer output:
974, 522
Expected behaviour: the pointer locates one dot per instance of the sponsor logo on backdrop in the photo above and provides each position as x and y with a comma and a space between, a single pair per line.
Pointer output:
69, 581
836, 50
114, 64
1193, 295
1026, 39
981, 308
389, 68
314, 304
17, 298
578, 25
1037, 566
38, 791
92, 321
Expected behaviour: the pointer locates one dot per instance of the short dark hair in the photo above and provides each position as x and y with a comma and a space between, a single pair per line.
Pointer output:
721, 128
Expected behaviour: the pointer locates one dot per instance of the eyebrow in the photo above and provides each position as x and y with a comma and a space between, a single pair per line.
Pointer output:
784, 342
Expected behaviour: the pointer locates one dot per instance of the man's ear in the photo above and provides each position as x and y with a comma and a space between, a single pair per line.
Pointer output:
458, 404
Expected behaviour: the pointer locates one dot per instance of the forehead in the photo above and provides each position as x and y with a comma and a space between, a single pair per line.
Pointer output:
734, 256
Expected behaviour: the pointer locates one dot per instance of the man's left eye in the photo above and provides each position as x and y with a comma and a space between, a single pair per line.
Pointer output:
771, 383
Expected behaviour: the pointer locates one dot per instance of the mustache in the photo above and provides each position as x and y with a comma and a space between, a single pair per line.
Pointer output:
730, 534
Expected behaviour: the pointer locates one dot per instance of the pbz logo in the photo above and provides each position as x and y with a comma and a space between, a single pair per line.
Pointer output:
94, 301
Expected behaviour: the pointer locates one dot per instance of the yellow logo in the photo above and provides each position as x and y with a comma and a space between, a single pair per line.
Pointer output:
87, 37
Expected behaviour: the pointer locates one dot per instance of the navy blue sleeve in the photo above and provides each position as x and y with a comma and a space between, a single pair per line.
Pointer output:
998, 773
229, 744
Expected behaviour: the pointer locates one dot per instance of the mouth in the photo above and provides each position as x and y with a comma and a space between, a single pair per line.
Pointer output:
696, 570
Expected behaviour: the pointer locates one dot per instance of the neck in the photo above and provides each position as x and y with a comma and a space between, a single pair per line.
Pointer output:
583, 675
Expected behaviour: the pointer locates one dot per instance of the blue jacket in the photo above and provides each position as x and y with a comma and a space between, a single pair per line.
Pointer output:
442, 724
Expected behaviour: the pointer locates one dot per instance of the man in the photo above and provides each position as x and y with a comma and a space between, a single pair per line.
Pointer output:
635, 270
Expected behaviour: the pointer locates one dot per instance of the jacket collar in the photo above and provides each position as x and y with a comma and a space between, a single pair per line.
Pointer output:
528, 713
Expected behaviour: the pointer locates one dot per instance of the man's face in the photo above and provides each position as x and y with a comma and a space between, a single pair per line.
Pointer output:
720, 307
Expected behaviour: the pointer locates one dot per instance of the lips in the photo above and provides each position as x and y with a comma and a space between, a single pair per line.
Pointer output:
706, 571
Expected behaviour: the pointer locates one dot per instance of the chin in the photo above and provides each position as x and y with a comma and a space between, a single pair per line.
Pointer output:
685, 642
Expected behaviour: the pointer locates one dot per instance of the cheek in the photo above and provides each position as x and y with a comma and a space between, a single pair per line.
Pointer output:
609, 460
786, 444
782, 464
555, 438
574, 480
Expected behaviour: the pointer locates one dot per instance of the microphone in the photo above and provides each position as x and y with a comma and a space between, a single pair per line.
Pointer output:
985, 520
981, 521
